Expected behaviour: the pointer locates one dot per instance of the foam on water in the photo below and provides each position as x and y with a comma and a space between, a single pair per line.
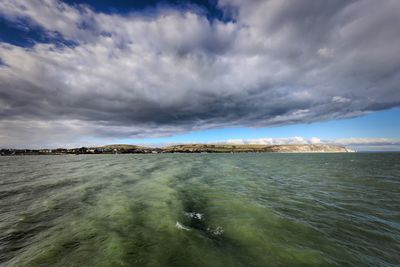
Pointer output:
194, 215
180, 226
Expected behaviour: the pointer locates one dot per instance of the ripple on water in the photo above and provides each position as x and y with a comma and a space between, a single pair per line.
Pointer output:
200, 210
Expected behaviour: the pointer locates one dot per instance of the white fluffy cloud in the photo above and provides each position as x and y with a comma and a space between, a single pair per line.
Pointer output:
132, 75
369, 141
358, 143
275, 141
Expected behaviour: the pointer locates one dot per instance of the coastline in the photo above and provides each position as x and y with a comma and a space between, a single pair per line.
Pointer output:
190, 148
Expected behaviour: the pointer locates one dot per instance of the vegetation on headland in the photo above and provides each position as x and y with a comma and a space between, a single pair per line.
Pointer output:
187, 148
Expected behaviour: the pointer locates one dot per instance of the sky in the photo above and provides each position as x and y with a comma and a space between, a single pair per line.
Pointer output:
81, 73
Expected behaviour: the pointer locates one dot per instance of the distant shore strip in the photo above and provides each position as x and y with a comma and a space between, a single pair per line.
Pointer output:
187, 148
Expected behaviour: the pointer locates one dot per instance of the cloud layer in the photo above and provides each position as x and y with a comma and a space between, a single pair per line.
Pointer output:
169, 71
315, 140
379, 144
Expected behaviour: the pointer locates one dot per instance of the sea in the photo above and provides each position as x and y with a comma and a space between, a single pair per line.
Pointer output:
245, 209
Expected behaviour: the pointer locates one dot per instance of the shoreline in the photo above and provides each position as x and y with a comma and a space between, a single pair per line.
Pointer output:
182, 149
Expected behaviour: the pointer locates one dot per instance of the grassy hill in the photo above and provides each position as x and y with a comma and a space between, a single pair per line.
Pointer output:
123, 147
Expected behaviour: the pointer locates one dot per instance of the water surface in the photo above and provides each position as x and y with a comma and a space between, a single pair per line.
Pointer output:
200, 210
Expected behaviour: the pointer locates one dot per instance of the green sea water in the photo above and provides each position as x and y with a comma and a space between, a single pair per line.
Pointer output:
200, 210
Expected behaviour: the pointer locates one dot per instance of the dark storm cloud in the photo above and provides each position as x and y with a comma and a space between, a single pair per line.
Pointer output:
134, 75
